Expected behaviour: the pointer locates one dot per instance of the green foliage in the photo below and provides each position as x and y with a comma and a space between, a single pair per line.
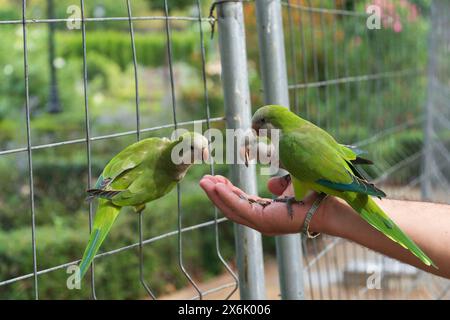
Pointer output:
151, 49
173, 4
423, 5
349, 49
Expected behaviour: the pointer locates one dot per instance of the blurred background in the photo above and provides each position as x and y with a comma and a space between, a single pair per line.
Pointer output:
386, 90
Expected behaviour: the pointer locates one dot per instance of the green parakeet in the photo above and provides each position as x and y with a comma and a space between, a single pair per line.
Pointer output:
142, 172
317, 162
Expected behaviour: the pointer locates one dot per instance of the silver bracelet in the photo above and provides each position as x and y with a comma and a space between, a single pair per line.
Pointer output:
310, 214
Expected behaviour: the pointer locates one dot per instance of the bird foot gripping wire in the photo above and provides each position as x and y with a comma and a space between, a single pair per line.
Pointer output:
289, 202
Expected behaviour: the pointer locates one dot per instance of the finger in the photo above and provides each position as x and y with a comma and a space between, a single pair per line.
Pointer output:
210, 178
241, 207
209, 188
277, 185
236, 190
240, 214
228, 183
223, 180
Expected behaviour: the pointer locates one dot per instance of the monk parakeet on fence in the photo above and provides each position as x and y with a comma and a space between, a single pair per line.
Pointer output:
317, 162
142, 172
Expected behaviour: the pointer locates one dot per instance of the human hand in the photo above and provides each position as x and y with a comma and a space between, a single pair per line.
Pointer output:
336, 218
272, 219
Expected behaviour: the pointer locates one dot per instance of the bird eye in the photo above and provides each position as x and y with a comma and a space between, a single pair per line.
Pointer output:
192, 147
263, 120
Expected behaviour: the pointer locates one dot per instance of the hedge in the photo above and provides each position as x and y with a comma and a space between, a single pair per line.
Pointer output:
151, 48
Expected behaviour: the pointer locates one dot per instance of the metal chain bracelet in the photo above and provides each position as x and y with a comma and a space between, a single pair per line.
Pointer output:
310, 214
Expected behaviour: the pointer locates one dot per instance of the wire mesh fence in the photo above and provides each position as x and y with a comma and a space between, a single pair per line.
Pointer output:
436, 171
365, 103
368, 87
197, 21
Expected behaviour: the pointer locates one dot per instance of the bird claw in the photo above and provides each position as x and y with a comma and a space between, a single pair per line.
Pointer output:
139, 208
261, 202
287, 178
289, 202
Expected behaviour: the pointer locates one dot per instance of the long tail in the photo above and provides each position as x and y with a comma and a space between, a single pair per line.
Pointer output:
104, 218
376, 217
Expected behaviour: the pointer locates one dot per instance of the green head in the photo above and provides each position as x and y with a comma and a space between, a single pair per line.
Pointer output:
196, 143
274, 117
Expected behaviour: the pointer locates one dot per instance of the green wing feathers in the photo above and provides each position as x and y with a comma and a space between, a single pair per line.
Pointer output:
357, 185
352, 154
374, 215
103, 221
300, 188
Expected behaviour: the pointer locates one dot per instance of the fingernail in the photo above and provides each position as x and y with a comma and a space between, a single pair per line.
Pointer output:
204, 183
220, 185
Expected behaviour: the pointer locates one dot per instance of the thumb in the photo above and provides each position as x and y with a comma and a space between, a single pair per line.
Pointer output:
277, 185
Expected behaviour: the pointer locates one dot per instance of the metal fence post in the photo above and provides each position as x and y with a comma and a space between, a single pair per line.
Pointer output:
427, 157
428, 123
435, 180
233, 56
274, 77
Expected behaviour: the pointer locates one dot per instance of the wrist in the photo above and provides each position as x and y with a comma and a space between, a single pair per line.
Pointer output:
319, 220
335, 214
324, 221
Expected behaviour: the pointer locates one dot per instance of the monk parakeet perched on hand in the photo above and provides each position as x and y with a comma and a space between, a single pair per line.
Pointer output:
142, 172
317, 162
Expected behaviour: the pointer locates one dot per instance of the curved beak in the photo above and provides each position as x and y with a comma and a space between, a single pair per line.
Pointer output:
255, 127
246, 156
205, 154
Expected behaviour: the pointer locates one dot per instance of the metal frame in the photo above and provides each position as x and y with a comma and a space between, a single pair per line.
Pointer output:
435, 116
274, 78
30, 157
233, 57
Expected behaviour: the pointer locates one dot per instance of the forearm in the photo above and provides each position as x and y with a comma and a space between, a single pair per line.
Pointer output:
428, 224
